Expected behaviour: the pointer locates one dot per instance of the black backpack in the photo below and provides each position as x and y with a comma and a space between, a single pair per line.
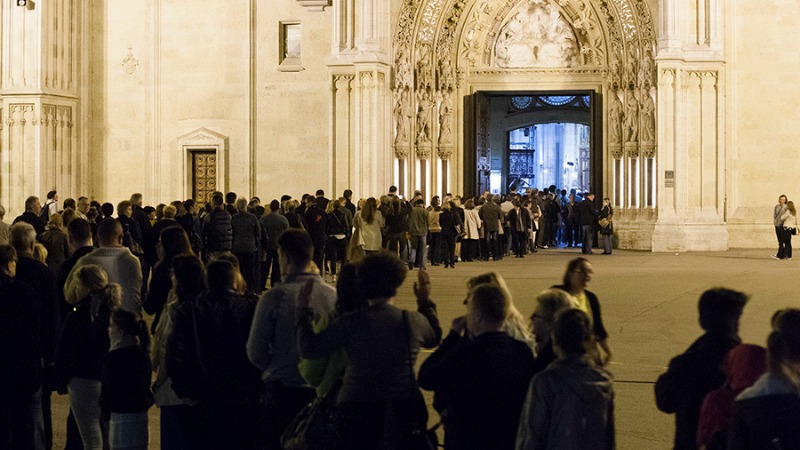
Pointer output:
44, 214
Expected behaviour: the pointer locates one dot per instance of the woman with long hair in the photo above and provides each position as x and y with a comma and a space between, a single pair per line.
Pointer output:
369, 223
576, 278
172, 242
81, 349
336, 230
767, 413
188, 282
515, 324
606, 213
210, 369
789, 229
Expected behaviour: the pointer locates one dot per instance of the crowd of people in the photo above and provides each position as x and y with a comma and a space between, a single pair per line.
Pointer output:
230, 369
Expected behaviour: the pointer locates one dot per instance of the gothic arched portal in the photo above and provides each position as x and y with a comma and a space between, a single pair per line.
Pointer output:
447, 52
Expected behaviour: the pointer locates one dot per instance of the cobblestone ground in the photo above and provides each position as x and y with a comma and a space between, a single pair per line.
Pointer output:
649, 303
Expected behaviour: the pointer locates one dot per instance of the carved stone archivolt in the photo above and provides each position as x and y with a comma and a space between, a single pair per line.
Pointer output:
438, 44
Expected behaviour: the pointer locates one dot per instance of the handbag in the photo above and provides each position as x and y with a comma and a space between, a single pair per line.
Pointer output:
421, 437
134, 246
604, 222
791, 230
314, 426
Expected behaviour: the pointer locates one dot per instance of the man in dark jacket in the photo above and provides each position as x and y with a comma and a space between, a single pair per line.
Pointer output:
33, 206
316, 225
148, 240
272, 225
587, 212
21, 370
22, 237
217, 231
492, 215
482, 373
246, 240
698, 370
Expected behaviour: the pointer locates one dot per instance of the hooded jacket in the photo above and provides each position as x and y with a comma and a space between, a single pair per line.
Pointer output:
569, 405
743, 365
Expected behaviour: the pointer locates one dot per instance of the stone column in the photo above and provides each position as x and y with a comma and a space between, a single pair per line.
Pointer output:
41, 93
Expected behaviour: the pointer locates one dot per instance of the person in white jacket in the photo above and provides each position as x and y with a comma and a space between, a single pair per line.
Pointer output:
789, 228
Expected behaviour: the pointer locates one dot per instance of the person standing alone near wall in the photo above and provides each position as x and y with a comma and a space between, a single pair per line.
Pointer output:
777, 217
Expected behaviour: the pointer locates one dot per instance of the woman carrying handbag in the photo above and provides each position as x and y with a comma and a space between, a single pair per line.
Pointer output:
606, 225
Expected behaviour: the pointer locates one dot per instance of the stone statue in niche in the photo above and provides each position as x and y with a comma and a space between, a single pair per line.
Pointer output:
614, 119
446, 77
424, 108
423, 75
445, 115
646, 70
631, 119
402, 114
648, 119
630, 71
536, 36
403, 75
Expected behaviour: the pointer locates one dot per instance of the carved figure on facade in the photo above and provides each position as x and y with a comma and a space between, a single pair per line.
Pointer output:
445, 120
630, 70
403, 77
536, 36
423, 76
424, 109
446, 74
402, 115
646, 72
648, 134
631, 119
615, 119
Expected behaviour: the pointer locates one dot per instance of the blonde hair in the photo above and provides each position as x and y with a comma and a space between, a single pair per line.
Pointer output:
169, 212
550, 302
95, 279
791, 208
516, 326
40, 252
56, 222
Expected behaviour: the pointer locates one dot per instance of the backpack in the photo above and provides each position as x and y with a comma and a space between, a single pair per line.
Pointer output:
44, 214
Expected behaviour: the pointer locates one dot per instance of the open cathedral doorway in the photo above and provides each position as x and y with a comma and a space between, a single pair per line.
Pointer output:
534, 139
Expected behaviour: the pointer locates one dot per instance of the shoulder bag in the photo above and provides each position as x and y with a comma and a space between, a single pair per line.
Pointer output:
314, 426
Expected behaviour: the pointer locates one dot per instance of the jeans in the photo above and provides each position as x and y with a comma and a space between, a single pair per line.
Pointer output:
785, 250
493, 245
418, 244
449, 250
606, 243
84, 400
272, 261
398, 244
587, 239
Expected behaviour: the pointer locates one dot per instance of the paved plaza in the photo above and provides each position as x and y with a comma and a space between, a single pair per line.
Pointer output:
649, 303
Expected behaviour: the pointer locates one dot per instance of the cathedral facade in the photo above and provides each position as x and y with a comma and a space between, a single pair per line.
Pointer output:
689, 102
